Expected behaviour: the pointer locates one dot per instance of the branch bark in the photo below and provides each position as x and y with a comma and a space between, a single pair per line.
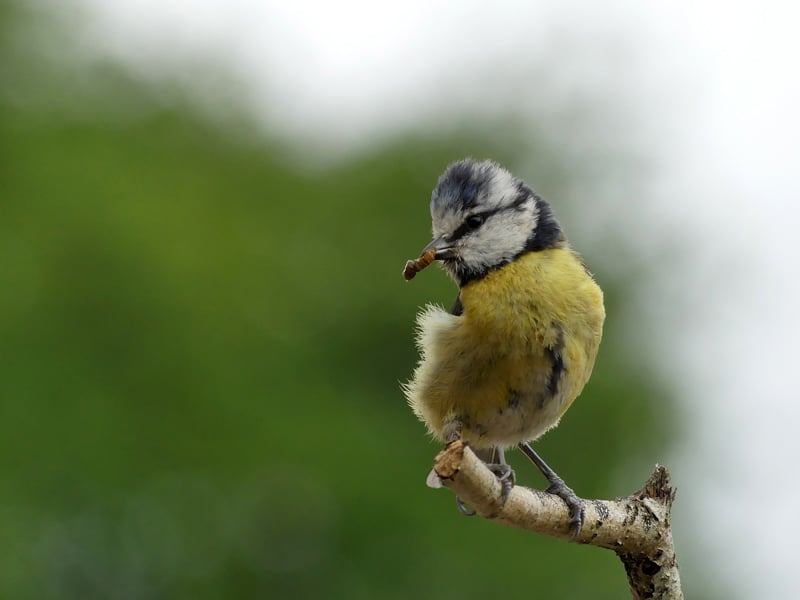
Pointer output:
637, 527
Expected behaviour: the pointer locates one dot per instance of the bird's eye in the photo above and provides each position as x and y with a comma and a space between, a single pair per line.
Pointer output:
475, 221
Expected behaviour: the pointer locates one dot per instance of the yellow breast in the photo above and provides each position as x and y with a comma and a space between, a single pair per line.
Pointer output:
506, 369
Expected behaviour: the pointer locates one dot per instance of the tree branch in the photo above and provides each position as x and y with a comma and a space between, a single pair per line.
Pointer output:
637, 528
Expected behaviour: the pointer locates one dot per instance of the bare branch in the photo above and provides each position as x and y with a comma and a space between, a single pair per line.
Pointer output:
637, 527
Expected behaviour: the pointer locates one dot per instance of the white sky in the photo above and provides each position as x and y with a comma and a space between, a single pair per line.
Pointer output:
720, 84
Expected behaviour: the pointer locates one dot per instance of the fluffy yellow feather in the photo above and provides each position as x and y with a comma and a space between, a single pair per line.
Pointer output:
490, 371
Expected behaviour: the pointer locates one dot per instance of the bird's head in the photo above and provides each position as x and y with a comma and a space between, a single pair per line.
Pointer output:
484, 217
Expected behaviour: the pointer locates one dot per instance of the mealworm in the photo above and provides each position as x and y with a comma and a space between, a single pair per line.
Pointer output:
415, 266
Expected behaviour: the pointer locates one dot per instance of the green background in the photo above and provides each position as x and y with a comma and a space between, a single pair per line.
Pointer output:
201, 345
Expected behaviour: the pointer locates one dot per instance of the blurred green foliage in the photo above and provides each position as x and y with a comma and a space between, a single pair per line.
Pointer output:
200, 350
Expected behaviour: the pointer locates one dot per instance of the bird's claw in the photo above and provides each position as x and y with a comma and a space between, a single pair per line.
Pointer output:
464, 509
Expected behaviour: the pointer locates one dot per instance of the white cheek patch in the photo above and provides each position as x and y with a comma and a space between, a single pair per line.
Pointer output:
500, 239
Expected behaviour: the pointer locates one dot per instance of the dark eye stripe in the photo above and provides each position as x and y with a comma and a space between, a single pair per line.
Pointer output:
465, 227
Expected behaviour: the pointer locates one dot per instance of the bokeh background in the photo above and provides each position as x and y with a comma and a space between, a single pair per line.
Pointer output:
204, 211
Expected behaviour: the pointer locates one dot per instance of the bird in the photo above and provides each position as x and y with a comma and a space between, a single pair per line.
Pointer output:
501, 367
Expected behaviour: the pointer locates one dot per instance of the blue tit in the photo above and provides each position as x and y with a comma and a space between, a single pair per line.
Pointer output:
503, 365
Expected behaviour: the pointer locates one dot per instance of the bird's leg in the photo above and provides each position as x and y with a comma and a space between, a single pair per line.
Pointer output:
559, 488
451, 430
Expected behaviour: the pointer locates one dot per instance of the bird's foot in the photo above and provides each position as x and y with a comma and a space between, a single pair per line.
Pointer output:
507, 478
574, 504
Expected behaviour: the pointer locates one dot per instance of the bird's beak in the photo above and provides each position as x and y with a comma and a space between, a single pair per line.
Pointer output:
444, 249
